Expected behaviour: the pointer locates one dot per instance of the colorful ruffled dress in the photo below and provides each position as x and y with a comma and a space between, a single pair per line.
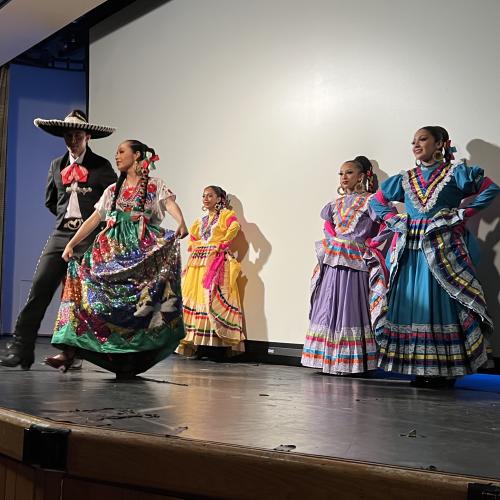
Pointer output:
348, 289
121, 306
437, 318
211, 301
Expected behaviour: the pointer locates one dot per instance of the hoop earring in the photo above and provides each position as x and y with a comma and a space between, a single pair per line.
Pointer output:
204, 208
437, 156
359, 188
341, 191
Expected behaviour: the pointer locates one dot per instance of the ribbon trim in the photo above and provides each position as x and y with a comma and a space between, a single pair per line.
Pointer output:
212, 272
149, 163
143, 220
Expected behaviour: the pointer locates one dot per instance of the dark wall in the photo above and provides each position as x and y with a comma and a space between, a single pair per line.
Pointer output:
33, 92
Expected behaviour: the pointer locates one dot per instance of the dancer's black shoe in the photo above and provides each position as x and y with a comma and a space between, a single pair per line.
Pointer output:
433, 382
18, 354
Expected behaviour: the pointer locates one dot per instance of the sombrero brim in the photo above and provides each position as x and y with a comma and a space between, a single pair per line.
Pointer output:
60, 127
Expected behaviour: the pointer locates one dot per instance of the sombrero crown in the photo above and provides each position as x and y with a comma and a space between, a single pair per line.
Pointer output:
76, 120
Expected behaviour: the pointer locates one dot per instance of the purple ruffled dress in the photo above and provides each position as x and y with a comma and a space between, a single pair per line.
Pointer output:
348, 290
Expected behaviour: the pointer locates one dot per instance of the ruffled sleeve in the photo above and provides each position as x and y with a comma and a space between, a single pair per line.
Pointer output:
194, 234
327, 216
472, 181
163, 193
468, 179
327, 212
230, 222
390, 190
105, 201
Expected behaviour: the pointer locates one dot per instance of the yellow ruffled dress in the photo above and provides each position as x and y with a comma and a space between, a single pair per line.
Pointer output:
211, 301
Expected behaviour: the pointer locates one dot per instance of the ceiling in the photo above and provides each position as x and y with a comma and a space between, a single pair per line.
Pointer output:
25, 23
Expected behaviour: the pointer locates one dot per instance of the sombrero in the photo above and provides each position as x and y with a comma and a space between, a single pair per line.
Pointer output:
76, 120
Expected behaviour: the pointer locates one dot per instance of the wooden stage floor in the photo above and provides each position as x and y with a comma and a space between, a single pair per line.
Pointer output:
383, 421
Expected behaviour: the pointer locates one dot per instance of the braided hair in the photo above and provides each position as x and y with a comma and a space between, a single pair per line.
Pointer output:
220, 193
441, 134
366, 167
136, 146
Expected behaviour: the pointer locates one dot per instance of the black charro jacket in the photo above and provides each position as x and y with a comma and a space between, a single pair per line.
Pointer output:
101, 175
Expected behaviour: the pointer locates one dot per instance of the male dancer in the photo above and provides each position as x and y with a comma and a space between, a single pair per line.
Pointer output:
75, 183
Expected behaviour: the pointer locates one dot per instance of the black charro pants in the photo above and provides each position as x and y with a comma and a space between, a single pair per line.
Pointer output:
49, 272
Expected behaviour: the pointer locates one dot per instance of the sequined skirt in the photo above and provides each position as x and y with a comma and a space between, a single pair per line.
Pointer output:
121, 306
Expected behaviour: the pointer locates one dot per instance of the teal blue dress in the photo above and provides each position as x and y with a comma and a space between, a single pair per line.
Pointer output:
436, 322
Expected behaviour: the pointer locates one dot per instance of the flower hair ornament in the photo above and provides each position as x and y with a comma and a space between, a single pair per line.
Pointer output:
149, 162
223, 203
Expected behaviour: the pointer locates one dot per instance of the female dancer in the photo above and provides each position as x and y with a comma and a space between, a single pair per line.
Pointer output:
348, 285
121, 307
437, 315
212, 308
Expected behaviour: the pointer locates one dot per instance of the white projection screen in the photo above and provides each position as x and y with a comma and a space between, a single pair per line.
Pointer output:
268, 97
